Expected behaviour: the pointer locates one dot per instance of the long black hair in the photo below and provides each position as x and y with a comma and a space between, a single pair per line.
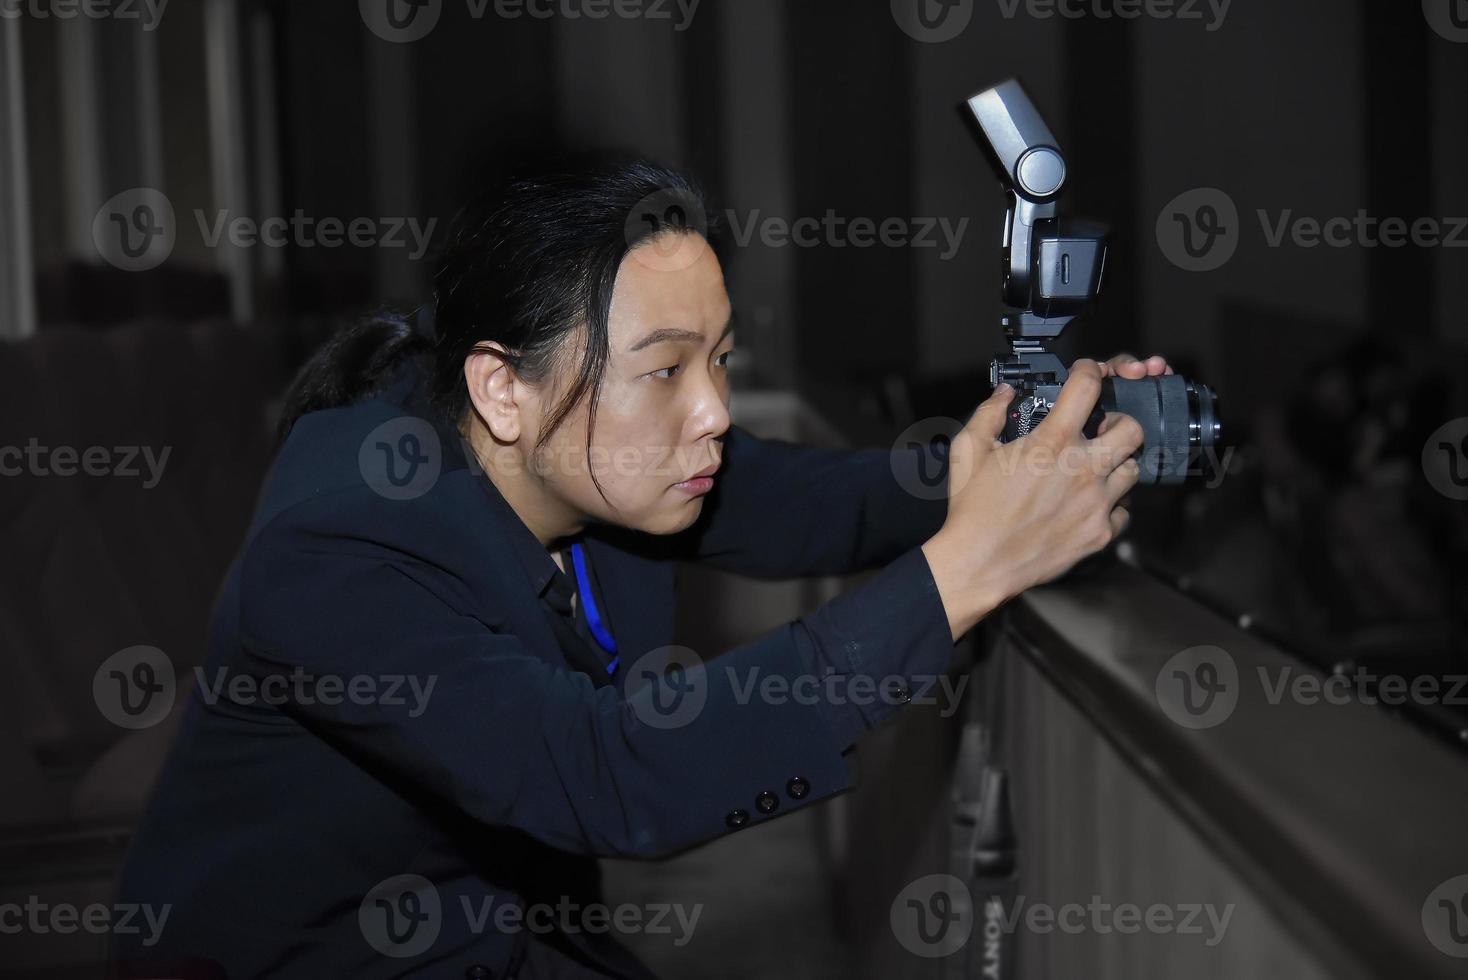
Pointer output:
533, 257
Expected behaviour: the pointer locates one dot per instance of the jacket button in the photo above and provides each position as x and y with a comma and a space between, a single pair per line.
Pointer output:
797, 788
766, 802
478, 972
737, 818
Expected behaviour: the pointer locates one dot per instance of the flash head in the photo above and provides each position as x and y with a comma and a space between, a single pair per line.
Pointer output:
1051, 273
1027, 151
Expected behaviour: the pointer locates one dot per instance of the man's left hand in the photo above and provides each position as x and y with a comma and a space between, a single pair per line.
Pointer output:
1132, 368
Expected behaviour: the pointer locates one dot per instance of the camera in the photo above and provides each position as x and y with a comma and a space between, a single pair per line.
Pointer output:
1053, 270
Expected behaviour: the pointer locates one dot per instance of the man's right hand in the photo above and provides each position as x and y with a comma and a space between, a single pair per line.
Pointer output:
1024, 512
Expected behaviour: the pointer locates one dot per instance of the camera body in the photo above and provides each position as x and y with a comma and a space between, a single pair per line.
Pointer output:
1053, 272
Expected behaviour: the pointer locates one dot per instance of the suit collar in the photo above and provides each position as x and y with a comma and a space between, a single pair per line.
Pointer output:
409, 390
631, 569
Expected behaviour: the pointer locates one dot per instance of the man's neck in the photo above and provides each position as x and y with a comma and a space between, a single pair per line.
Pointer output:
552, 523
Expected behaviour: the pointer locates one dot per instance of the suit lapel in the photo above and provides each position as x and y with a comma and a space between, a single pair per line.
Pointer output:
493, 574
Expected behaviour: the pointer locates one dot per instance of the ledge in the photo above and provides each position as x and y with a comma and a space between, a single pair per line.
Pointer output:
1344, 818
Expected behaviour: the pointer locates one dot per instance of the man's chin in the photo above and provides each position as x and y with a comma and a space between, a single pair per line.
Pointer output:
680, 518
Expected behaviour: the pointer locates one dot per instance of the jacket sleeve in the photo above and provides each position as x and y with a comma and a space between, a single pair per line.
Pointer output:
782, 510
511, 739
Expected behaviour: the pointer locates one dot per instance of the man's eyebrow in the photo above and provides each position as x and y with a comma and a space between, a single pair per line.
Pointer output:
677, 335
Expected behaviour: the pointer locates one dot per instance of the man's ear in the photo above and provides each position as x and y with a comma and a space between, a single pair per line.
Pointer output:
498, 396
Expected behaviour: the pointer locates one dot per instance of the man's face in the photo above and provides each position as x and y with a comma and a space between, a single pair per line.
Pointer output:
664, 404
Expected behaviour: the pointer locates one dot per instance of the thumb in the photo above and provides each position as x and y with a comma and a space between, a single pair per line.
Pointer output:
988, 420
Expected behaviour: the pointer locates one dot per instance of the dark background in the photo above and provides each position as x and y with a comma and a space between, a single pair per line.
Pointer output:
1335, 365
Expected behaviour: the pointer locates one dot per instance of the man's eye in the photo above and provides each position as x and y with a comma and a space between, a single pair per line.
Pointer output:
670, 370
723, 359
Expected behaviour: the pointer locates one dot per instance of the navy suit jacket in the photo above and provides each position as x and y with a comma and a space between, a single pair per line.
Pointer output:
302, 827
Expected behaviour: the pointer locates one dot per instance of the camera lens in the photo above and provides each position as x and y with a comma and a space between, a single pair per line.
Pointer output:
1205, 428
1180, 421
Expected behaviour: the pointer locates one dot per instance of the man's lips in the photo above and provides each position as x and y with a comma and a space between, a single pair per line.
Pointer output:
701, 481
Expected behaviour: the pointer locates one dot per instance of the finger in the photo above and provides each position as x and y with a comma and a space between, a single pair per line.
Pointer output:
987, 423
1157, 364
1127, 366
1120, 518
1108, 421
1077, 397
1123, 437
1121, 480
